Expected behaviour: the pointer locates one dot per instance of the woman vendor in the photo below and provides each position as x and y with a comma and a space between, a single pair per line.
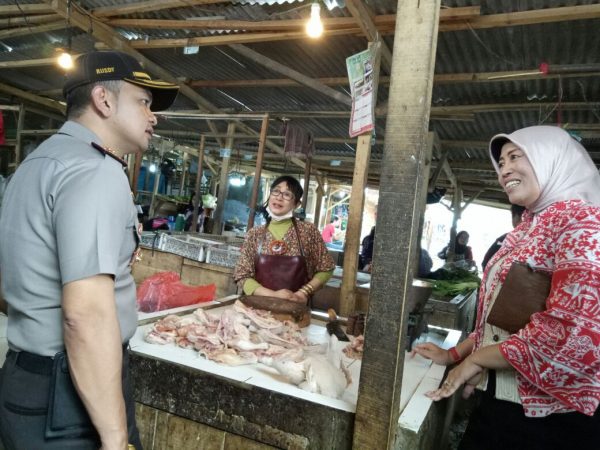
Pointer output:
286, 258
542, 382
461, 250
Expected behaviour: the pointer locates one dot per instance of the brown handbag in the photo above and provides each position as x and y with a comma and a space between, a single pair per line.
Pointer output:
523, 293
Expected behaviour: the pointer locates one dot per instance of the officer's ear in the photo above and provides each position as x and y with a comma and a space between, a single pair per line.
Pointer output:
103, 100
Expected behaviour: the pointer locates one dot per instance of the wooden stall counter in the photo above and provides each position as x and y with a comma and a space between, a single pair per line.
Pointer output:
184, 400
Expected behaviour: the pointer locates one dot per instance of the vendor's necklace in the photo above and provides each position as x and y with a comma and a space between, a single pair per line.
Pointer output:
277, 247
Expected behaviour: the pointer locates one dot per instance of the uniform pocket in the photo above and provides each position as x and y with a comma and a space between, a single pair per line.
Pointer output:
23, 392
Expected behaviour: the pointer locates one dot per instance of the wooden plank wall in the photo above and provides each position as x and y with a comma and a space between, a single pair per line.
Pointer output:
191, 272
160, 430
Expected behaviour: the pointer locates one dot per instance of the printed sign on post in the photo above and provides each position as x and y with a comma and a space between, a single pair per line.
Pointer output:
361, 77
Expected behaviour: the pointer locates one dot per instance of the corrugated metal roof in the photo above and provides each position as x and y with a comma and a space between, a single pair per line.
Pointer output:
475, 50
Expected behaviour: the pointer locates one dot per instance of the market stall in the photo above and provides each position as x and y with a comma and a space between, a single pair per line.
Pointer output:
179, 392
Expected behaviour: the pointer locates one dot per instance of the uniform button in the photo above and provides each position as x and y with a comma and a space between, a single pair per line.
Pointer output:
495, 338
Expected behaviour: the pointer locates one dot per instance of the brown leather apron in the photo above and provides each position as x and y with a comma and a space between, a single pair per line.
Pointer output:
281, 271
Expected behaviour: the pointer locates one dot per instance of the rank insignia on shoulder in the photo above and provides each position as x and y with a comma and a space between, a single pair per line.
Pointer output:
109, 152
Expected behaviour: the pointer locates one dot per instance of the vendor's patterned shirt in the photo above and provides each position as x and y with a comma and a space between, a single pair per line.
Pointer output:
557, 355
317, 256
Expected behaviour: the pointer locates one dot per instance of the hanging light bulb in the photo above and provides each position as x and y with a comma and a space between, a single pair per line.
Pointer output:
65, 60
314, 26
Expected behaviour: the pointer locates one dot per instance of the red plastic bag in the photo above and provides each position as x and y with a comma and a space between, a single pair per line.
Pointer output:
164, 290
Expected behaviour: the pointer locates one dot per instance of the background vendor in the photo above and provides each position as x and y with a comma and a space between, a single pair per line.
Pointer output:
285, 258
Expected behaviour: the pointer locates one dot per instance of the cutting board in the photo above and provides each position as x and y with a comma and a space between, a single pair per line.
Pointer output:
280, 308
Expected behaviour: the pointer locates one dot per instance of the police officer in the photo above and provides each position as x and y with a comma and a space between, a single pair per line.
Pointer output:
68, 232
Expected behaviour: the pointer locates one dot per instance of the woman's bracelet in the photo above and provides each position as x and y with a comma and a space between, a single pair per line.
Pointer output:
454, 354
305, 291
308, 287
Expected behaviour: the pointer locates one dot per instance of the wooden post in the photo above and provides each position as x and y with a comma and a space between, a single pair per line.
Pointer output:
224, 181
352, 241
154, 190
136, 172
257, 171
184, 171
19, 146
198, 184
357, 204
306, 183
319, 193
147, 176
456, 211
415, 43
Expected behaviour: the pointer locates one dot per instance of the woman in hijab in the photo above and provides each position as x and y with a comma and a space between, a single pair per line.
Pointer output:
285, 258
461, 250
541, 383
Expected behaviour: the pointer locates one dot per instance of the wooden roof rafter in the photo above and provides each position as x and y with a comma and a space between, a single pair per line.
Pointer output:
383, 24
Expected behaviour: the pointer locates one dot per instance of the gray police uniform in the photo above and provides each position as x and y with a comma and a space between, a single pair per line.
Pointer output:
67, 214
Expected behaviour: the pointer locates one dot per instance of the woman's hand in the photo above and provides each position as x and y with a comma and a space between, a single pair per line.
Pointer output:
300, 297
431, 351
284, 293
468, 372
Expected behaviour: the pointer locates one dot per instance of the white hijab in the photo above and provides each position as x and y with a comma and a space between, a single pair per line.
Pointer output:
563, 167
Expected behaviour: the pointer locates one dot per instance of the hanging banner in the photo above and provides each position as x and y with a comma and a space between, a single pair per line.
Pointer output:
361, 77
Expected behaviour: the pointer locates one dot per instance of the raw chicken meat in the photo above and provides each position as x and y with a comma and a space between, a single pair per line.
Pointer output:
241, 335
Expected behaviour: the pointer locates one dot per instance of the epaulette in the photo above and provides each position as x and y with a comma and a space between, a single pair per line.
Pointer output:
109, 152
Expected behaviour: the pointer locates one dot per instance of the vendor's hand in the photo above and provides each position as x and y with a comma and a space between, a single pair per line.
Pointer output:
300, 297
466, 372
284, 293
431, 351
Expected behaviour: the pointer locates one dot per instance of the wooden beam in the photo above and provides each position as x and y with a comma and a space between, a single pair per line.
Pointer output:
18, 9
46, 102
385, 26
27, 20
206, 23
364, 17
561, 14
149, 6
291, 73
443, 78
378, 406
228, 39
26, 31
27, 63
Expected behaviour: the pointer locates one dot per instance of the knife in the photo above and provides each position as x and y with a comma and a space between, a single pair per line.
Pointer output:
334, 326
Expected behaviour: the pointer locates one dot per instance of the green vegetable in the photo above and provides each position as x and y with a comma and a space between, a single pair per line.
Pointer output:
450, 283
